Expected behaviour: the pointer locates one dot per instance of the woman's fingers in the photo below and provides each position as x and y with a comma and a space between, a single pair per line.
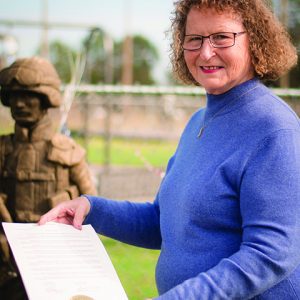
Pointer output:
70, 212
55, 213
81, 212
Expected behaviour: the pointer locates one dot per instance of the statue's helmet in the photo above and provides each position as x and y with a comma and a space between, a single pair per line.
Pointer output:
34, 74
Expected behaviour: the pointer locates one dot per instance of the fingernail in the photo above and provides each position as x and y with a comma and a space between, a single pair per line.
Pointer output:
78, 226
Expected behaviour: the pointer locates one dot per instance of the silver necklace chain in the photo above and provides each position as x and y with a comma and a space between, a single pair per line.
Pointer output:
205, 125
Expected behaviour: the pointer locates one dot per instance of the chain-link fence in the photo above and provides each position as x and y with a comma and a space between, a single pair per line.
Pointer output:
132, 112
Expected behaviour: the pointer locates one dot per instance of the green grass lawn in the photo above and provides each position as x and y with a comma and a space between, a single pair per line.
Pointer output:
6, 129
135, 267
135, 153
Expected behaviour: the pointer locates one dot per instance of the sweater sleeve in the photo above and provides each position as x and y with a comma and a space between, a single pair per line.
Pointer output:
132, 223
137, 224
270, 210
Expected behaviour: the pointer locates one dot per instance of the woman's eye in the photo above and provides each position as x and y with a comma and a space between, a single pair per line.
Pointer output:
219, 37
198, 38
195, 38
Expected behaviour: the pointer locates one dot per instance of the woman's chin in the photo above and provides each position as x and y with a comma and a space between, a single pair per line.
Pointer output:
215, 89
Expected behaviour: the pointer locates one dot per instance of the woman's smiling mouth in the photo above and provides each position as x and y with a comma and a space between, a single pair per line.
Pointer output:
210, 69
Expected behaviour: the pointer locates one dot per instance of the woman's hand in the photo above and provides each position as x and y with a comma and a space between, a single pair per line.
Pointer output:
71, 212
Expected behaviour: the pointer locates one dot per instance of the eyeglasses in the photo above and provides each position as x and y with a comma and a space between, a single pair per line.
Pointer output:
194, 42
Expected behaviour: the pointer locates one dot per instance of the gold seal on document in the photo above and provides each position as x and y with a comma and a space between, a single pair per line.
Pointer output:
81, 297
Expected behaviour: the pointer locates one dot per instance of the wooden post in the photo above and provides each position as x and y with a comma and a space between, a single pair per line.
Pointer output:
284, 18
127, 59
86, 108
127, 51
107, 134
44, 43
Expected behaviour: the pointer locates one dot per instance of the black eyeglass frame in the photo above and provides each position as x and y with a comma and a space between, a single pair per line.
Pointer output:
210, 42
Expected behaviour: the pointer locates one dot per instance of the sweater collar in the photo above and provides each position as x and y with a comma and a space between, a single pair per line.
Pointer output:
225, 101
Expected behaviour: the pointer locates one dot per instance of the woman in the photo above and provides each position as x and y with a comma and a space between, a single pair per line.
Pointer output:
226, 216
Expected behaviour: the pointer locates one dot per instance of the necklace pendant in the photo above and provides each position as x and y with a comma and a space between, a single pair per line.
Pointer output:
200, 132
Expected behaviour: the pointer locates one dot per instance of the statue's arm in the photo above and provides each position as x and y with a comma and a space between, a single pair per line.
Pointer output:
5, 143
4, 213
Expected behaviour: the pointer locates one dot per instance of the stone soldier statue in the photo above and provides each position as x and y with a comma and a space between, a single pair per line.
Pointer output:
38, 167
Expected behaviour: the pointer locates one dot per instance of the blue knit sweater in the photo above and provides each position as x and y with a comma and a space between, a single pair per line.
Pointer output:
227, 214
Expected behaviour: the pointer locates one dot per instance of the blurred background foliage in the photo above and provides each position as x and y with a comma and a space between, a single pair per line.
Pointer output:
144, 59
103, 59
104, 62
130, 59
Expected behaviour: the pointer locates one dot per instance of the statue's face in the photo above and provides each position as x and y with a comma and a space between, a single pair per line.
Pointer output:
26, 108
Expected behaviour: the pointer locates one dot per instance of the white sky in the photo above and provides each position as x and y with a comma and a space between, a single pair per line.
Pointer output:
150, 18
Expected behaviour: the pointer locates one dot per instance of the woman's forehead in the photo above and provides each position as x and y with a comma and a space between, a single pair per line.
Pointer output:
227, 12
211, 19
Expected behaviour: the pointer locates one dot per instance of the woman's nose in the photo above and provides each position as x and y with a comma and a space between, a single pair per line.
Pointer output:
207, 50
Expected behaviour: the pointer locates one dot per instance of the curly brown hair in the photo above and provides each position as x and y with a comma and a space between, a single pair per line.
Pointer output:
271, 50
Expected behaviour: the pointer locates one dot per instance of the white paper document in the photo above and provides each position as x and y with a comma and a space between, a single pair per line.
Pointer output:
57, 261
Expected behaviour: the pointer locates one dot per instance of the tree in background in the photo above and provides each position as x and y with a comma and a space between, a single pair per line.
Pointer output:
61, 55
96, 56
145, 56
104, 59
